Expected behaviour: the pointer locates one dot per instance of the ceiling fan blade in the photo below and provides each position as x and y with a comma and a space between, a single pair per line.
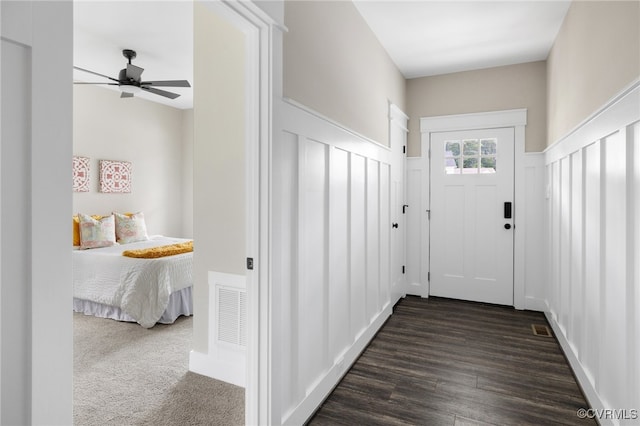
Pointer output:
85, 82
95, 73
160, 92
167, 83
126, 95
134, 72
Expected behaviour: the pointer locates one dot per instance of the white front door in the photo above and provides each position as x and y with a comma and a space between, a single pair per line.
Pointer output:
472, 191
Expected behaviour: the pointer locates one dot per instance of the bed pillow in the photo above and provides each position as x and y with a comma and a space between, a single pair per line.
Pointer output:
96, 233
130, 227
76, 228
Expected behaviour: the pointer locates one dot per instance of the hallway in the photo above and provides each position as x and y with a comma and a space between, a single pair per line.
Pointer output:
448, 362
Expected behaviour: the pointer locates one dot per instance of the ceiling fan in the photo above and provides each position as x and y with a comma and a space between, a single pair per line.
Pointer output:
130, 82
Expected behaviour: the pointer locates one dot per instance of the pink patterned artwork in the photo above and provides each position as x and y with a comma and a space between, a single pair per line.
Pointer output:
115, 176
80, 174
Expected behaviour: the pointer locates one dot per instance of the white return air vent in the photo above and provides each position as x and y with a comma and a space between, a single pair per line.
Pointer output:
231, 303
226, 357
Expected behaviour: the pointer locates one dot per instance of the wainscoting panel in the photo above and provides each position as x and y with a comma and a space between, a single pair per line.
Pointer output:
332, 255
592, 218
385, 280
418, 228
593, 302
339, 294
534, 238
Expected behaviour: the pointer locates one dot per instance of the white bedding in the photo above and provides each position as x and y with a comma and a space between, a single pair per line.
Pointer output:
139, 287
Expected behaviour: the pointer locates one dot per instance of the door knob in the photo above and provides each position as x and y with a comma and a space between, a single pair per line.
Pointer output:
394, 225
507, 226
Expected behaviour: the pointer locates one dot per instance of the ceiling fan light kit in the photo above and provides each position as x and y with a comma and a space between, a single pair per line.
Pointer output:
130, 82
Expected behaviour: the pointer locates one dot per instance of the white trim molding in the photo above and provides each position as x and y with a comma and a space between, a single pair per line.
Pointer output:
480, 120
517, 119
333, 122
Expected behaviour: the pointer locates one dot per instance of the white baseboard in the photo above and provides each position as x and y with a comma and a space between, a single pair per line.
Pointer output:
323, 387
593, 399
416, 289
232, 371
535, 304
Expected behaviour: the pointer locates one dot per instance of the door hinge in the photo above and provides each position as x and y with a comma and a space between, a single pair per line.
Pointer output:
429, 276
404, 149
429, 153
403, 269
250, 263
428, 214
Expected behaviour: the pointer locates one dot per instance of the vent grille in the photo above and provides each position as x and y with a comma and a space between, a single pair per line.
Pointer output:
232, 313
541, 330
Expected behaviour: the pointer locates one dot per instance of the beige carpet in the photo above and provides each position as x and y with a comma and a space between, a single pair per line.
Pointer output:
128, 375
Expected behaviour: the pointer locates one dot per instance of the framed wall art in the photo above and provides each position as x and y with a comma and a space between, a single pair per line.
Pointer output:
115, 176
80, 174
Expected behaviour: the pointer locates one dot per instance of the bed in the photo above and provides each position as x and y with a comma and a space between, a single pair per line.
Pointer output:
147, 291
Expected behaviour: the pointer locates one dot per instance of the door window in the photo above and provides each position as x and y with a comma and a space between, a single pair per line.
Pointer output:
470, 156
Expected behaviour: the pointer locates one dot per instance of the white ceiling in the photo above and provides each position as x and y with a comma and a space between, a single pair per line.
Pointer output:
427, 38
422, 37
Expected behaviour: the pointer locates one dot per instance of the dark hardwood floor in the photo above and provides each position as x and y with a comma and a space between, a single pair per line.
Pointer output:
447, 362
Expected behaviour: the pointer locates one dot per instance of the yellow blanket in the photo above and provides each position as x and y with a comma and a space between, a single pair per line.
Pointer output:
161, 251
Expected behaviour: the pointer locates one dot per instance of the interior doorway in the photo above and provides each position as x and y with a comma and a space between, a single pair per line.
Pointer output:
233, 124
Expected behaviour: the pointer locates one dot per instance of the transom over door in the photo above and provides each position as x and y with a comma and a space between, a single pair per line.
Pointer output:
472, 215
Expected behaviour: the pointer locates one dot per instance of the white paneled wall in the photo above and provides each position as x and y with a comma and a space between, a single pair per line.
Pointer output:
594, 253
331, 254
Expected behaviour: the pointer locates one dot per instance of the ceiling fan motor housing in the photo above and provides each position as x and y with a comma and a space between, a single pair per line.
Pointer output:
122, 76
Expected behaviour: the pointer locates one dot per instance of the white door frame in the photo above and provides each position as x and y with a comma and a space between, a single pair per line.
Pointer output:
516, 118
262, 78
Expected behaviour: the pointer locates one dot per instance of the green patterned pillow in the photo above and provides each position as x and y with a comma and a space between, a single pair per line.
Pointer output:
96, 233
130, 227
